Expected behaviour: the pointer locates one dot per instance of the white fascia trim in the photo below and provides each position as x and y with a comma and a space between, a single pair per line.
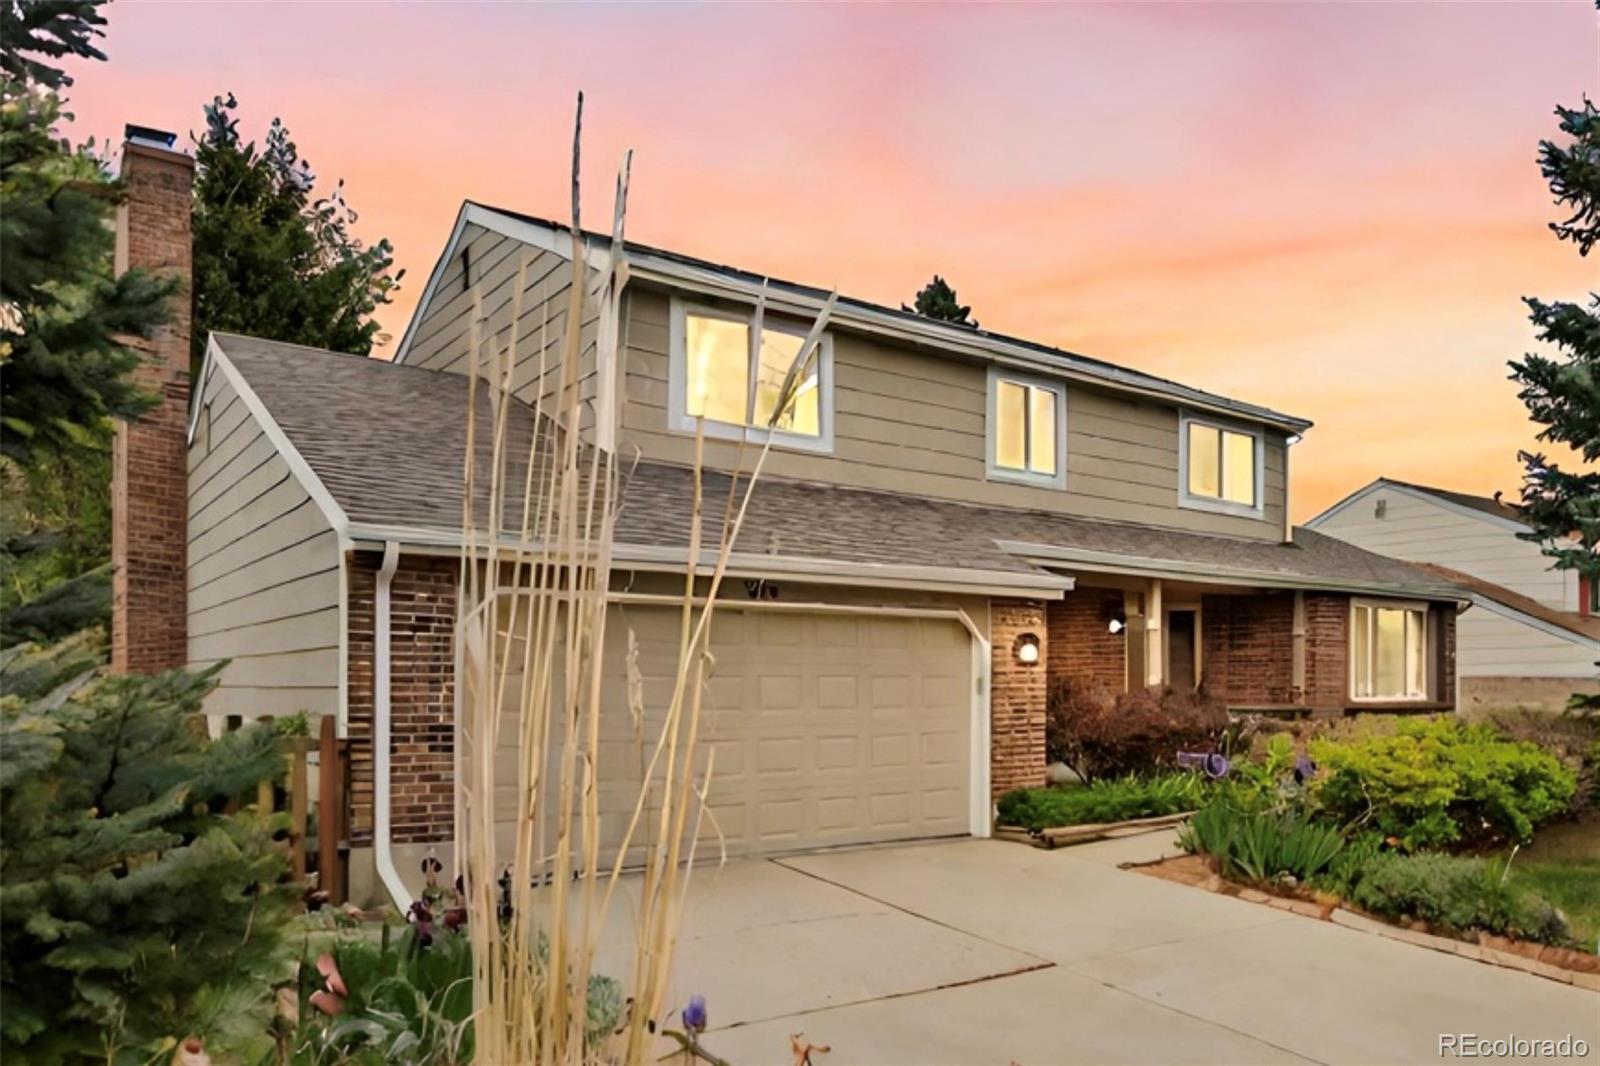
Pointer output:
1426, 497
1043, 586
1173, 570
434, 278
676, 275
197, 398
980, 812
297, 464
673, 274
1504, 611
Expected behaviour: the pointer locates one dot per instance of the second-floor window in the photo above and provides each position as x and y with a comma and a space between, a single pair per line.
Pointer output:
1221, 466
739, 389
1027, 432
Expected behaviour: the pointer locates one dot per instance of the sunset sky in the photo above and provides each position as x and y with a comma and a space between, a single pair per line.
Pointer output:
1331, 209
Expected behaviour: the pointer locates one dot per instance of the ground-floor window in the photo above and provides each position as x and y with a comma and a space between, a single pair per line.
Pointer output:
1388, 651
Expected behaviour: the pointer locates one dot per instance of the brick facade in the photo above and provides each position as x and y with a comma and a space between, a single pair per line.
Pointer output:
1081, 642
1017, 696
422, 608
150, 463
1327, 653
1247, 648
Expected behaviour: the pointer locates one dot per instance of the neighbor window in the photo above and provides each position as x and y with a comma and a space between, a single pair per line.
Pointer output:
1388, 652
1025, 428
1222, 466
716, 376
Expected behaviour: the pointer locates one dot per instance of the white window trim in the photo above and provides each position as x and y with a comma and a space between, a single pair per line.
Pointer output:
680, 421
1206, 503
993, 470
1428, 656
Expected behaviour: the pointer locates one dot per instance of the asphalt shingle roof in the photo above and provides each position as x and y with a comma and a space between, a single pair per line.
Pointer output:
389, 443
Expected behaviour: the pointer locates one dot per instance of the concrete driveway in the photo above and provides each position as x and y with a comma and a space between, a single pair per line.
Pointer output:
987, 952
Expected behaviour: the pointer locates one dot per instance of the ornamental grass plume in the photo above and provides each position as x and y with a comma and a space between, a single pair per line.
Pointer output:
539, 505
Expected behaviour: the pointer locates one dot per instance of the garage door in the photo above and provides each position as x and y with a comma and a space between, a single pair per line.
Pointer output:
827, 729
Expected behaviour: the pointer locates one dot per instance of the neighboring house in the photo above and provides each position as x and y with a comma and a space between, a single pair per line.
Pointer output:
1533, 637
951, 521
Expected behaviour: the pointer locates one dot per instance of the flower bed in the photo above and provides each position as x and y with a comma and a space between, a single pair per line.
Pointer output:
1104, 801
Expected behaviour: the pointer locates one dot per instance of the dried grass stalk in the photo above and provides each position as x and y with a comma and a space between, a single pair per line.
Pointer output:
531, 634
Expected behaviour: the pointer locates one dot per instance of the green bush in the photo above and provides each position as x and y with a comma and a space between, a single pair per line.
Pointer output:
1260, 846
1439, 781
1106, 800
1456, 894
128, 896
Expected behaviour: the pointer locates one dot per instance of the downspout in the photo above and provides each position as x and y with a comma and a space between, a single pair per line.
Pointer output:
382, 852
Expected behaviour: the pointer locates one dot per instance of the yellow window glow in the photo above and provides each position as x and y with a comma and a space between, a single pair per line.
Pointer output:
1011, 426
1042, 431
1239, 461
718, 364
1205, 468
778, 353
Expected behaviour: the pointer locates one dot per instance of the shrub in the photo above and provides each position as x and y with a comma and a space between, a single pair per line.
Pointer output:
1574, 739
1256, 846
1456, 894
1439, 781
1099, 733
1106, 800
128, 894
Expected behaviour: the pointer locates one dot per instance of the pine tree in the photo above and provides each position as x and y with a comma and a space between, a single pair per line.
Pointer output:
938, 300
269, 259
131, 898
62, 369
1562, 393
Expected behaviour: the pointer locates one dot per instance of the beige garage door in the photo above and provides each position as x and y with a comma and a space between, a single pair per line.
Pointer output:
827, 728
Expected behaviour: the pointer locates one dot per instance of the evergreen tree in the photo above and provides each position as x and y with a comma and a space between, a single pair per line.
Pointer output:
1562, 393
938, 300
269, 259
134, 906
62, 369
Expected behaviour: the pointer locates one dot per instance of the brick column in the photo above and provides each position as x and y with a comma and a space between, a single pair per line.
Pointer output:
150, 465
1016, 697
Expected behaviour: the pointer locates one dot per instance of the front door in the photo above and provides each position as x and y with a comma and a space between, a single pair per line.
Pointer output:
1181, 638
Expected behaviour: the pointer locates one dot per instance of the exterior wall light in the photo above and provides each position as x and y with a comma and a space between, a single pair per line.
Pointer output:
1027, 649
1116, 625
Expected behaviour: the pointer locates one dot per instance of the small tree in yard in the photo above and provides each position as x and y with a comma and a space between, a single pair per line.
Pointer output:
938, 300
135, 910
269, 259
1562, 394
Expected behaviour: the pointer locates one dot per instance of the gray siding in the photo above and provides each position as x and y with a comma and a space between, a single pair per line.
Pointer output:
910, 421
263, 570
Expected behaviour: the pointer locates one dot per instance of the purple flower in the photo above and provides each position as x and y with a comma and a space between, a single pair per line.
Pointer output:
694, 1015
1304, 769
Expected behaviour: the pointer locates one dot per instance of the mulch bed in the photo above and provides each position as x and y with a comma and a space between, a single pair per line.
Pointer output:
1566, 965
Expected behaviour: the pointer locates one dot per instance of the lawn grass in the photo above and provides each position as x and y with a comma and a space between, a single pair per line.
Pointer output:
1573, 885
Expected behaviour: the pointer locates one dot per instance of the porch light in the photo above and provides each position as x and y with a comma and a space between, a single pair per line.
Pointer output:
1027, 649
1116, 625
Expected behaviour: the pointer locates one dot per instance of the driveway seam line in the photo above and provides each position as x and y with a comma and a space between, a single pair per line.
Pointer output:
923, 917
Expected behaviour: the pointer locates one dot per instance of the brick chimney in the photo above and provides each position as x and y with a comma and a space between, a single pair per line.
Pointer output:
149, 483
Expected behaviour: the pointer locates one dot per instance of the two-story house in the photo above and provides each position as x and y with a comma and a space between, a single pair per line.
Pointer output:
949, 520
1532, 637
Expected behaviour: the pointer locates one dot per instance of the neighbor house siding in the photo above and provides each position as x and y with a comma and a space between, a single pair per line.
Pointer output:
1496, 646
913, 421
1423, 530
444, 329
263, 570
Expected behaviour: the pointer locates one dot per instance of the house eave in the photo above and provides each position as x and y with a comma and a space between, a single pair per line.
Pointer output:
1043, 585
1062, 558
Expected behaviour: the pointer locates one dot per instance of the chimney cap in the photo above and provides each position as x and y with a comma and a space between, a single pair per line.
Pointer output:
149, 136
